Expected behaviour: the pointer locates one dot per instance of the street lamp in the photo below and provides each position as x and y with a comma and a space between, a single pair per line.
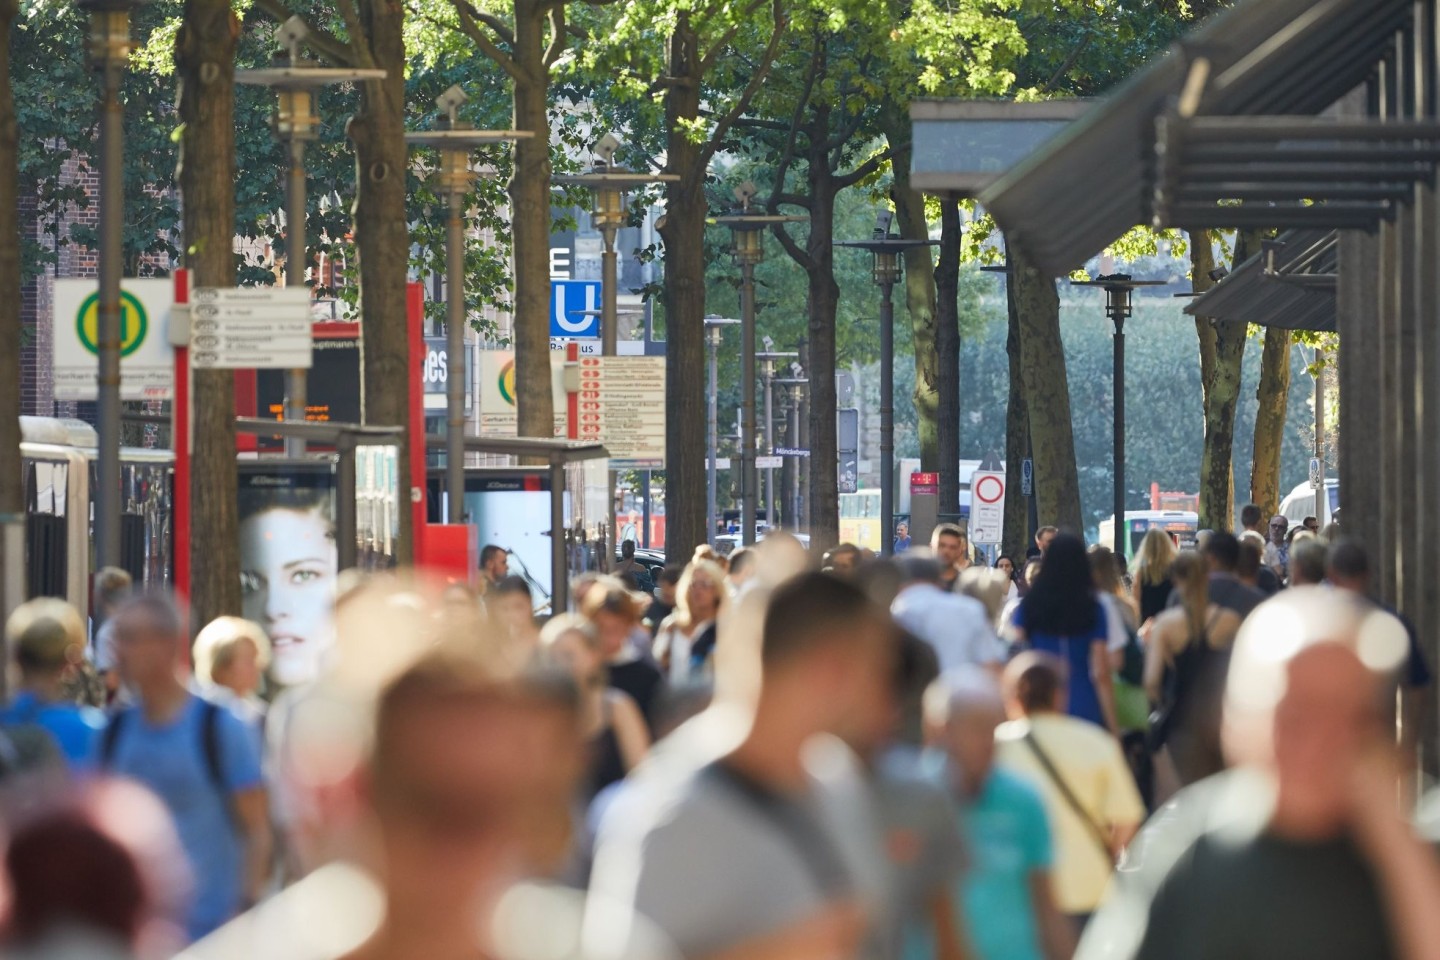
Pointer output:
1118, 287
295, 122
608, 185
886, 249
454, 177
767, 360
714, 327
108, 46
747, 229
796, 386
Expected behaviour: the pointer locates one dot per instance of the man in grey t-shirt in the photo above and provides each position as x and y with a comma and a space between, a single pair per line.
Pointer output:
771, 851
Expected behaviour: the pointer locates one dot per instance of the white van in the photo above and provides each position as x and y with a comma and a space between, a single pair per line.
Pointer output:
1300, 502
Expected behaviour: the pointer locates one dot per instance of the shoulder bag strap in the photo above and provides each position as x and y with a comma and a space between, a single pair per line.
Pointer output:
1072, 801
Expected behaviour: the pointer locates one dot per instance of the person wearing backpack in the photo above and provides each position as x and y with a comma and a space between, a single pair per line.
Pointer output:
198, 757
48, 640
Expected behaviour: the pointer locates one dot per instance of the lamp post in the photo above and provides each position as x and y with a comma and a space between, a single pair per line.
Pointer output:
796, 387
886, 249
454, 140
295, 122
108, 47
714, 327
767, 360
747, 229
1118, 287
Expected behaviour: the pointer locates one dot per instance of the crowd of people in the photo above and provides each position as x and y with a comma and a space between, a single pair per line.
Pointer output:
764, 756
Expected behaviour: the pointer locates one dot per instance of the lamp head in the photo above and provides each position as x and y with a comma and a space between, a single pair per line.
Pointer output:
769, 344
606, 149
882, 224
290, 35
746, 192
451, 101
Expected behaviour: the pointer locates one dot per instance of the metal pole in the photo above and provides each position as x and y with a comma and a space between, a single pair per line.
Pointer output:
645, 508
1322, 496
609, 284
748, 484
455, 358
1119, 546
296, 379
794, 518
109, 328
887, 417
710, 516
769, 443
559, 574
346, 534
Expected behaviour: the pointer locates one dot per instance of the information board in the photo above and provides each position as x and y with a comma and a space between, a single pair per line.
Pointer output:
147, 365
622, 404
250, 328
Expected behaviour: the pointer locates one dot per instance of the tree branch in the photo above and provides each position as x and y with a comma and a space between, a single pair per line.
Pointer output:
865, 169
1068, 65
359, 43
501, 28
323, 42
787, 156
722, 128
472, 29
792, 247
556, 48
708, 60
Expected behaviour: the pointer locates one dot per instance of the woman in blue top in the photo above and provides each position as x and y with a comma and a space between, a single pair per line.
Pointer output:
1062, 616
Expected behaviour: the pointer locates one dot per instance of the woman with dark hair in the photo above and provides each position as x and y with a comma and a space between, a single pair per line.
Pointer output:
1062, 616
1006, 566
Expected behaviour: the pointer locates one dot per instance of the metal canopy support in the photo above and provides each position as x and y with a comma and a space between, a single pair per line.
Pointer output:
1289, 284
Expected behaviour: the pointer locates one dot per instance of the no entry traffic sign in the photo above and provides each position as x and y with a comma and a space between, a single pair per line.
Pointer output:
987, 507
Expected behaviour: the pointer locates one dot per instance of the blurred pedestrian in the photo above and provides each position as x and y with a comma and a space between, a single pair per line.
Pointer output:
1061, 615
230, 656
511, 607
1006, 565
112, 587
685, 642
771, 850
1277, 551
611, 724
1043, 538
1300, 851
200, 758
1094, 806
494, 565
667, 588
957, 627
48, 640
1222, 554
1150, 574
615, 613
951, 547
1307, 563
842, 559
1006, 895
902, 538
743, 565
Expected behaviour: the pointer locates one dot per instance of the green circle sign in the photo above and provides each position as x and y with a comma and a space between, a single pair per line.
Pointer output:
134, 323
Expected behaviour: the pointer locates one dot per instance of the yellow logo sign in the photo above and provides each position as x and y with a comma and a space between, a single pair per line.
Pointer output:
507, 383
134, 324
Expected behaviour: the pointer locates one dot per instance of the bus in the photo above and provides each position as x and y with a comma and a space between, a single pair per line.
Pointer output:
860, 519
1182, 525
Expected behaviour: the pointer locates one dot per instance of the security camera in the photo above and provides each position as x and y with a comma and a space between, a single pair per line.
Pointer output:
769, 344
290, 34
797, 371
882, 223
606, 148
451, 100
746, 192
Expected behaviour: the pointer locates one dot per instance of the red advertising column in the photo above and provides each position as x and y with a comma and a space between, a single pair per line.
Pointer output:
572, 396
415, 320
180, 442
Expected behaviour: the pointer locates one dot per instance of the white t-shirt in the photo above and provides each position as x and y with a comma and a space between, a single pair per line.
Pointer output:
955, 625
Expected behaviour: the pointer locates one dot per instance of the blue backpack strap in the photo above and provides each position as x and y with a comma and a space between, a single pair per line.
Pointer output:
111, 738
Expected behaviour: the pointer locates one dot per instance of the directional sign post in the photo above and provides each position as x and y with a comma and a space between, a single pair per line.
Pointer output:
250, 328
987, 507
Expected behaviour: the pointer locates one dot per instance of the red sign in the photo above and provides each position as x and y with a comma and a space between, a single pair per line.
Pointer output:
925, 483
990, 488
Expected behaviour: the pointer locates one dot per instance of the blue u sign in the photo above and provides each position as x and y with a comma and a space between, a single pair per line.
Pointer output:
572, 308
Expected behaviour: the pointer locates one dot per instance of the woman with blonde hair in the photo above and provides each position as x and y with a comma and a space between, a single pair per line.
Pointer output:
611, 723
1150, 574
1184, 672
686, 638
231, 655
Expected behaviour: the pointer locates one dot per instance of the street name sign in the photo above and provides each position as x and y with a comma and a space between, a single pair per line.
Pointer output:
250, 328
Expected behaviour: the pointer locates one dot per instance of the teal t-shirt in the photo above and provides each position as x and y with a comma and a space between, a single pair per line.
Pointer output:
1008, 837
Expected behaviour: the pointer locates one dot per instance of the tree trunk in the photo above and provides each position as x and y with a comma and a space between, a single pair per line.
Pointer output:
205, 66
683, 291
947, 355
530, 223
1017, 439
1273, 393
920, 298
12, 492
382, 236
824, 297
1047, 389
1222, 350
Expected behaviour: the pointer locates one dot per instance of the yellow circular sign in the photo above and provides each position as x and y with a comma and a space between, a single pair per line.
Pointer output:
134, 323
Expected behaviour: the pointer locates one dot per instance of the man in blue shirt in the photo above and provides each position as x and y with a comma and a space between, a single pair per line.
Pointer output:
48, 638
199, 758
1005, 896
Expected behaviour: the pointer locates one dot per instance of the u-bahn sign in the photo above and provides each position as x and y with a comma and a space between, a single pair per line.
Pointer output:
147, 368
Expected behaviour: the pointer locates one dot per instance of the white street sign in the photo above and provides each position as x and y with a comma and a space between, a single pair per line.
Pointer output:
769, 463
622, 404
987, 507
147, 365
250, 328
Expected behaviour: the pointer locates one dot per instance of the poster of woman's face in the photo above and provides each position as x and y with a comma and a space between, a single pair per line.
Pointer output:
288, 567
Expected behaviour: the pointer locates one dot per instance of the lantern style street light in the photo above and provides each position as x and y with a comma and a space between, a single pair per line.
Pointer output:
714, 327
295, 122
767, 359
886, 248
1118, 288
796, 390
455, 139
108, 48
747, 231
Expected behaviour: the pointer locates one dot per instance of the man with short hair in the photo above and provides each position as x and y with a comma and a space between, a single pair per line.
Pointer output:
842, 559
1307, 563
1263, 578
112, 587
1277, 551
954, 624
951, 548
741, 570
902, 537
1222, 552
1250, 517
198, 757
47, 638
1299, 851
494, 565
771, 850
632, 571
1043, 536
